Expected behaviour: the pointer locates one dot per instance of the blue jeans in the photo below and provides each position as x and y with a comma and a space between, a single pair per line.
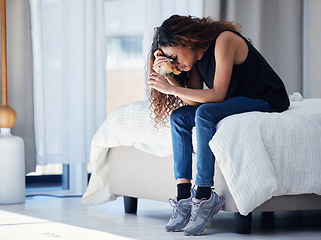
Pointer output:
204, 117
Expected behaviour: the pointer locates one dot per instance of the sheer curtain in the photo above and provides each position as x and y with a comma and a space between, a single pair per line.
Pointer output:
69, 57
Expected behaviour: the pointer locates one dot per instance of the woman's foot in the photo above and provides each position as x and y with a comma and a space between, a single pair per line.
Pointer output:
181, 213
202, 213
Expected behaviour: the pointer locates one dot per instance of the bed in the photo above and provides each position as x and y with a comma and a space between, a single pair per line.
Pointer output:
265, 162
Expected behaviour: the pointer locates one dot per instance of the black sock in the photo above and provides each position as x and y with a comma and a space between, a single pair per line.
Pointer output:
183, 191
203, 192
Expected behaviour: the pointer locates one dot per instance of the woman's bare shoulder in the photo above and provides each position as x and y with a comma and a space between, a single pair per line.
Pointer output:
230, 41
227, 37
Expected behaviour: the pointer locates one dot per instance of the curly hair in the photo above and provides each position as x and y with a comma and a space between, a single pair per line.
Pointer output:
197, 33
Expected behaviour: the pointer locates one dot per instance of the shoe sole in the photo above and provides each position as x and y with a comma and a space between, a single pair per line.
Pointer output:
179, 230
209, 222
176, 230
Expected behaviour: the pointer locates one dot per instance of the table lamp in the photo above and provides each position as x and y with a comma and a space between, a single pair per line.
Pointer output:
12, 162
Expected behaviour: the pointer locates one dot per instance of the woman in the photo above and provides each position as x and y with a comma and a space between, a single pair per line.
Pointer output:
238, 80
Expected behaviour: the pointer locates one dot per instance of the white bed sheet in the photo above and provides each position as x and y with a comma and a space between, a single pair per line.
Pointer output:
280, 155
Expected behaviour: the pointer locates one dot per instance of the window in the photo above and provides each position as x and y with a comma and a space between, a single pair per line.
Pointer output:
128, 29
125, 60
124, 84
53, 176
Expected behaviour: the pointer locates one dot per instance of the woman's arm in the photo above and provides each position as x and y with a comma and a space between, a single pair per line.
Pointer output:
194, 82
226, 49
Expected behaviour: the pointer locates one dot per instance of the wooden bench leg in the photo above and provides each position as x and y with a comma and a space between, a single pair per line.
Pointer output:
130, 205
243, 223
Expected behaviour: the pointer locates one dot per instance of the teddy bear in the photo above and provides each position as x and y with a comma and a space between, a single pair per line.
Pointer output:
167, 68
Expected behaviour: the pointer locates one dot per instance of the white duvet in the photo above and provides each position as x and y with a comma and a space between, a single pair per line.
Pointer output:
129, 125
260, 154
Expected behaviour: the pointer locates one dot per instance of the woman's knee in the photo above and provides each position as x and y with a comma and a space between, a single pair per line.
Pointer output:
203, 113
183, 115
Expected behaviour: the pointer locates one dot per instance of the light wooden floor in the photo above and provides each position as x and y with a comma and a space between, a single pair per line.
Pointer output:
66, 218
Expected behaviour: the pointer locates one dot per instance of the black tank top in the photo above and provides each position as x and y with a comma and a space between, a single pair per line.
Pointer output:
253, 78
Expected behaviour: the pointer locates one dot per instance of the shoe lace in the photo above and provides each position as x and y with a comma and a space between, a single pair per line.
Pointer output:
195, 209
175, 206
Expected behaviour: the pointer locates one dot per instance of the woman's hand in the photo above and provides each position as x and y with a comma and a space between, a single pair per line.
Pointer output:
160, 83
160, 59
172, 80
